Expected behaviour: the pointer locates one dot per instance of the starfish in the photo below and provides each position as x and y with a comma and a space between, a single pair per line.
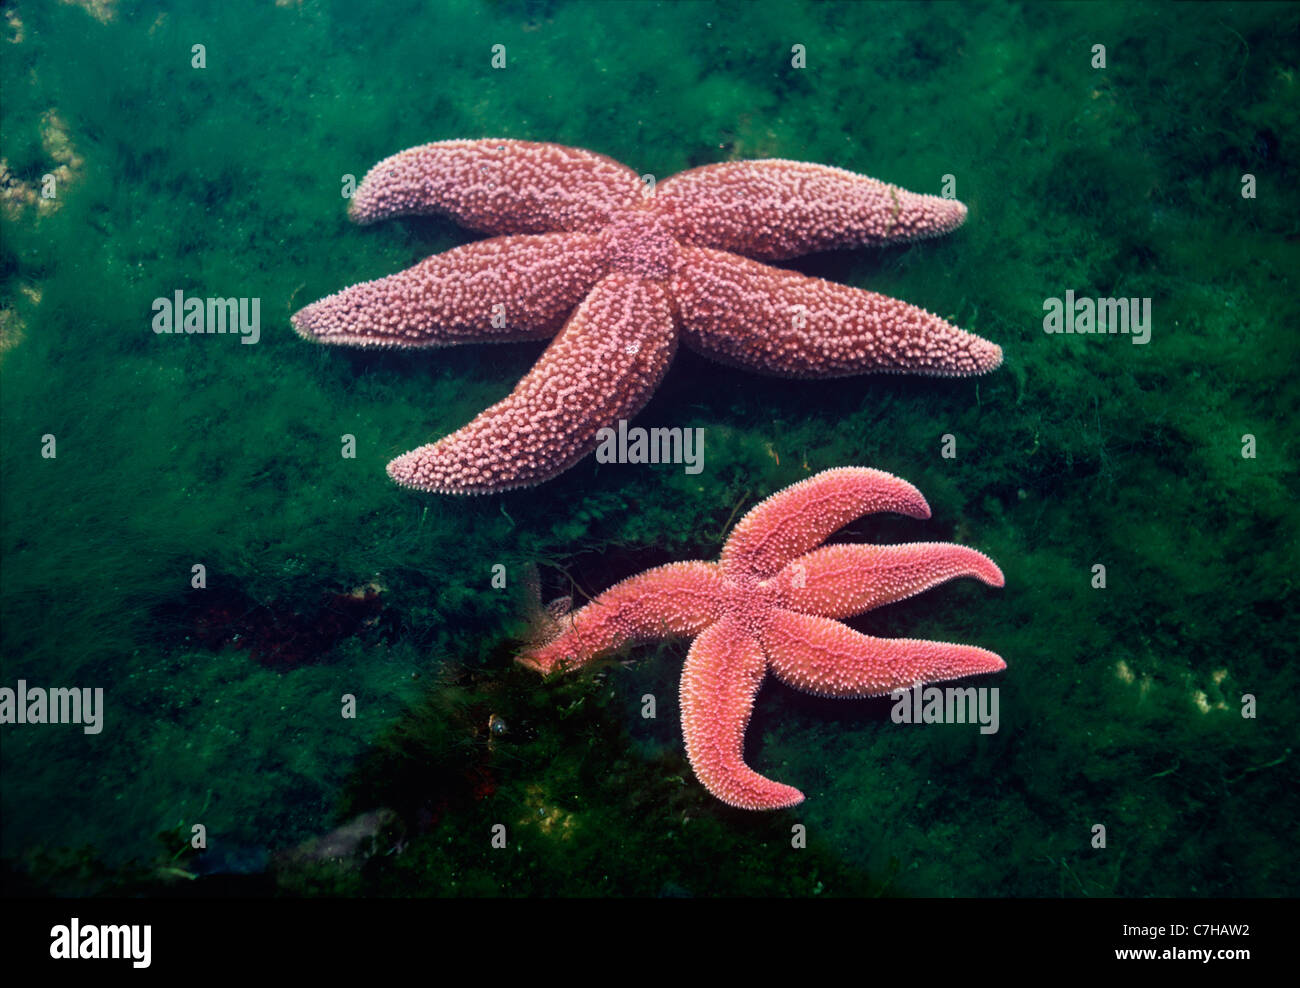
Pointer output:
585, 253
770, 604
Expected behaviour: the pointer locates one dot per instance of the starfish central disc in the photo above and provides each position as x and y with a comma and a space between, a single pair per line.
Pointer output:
748, 600
638, 243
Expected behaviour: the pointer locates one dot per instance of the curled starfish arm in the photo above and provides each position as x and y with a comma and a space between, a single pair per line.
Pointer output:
800, 517
720, 679
506, 288
603, 366
499, 186
766, 319
774, 209
676, 599
841, 580
822, 656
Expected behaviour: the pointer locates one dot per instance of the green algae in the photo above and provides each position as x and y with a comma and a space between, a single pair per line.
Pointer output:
1119, 706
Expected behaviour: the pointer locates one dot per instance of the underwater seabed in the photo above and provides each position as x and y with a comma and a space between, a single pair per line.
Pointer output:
1168, 463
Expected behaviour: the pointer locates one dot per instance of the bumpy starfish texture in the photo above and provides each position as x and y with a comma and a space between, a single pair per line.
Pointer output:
769, 604
583, 250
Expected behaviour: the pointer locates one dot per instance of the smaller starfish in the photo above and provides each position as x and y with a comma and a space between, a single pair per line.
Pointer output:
769, 603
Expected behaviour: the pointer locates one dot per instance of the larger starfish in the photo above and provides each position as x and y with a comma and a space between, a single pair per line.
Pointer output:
620, 273
769, 604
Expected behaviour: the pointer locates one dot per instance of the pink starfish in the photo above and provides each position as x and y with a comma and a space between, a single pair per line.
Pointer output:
586, 251
769, 604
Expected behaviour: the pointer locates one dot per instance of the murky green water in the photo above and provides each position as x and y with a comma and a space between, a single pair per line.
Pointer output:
1120, 707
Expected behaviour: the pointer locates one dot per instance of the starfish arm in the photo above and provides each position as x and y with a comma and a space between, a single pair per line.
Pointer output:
527, 284
821, 656
800, 517
775, 209
766, 319
604, 365
499, 186
841, 580
676, 599
723, 672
